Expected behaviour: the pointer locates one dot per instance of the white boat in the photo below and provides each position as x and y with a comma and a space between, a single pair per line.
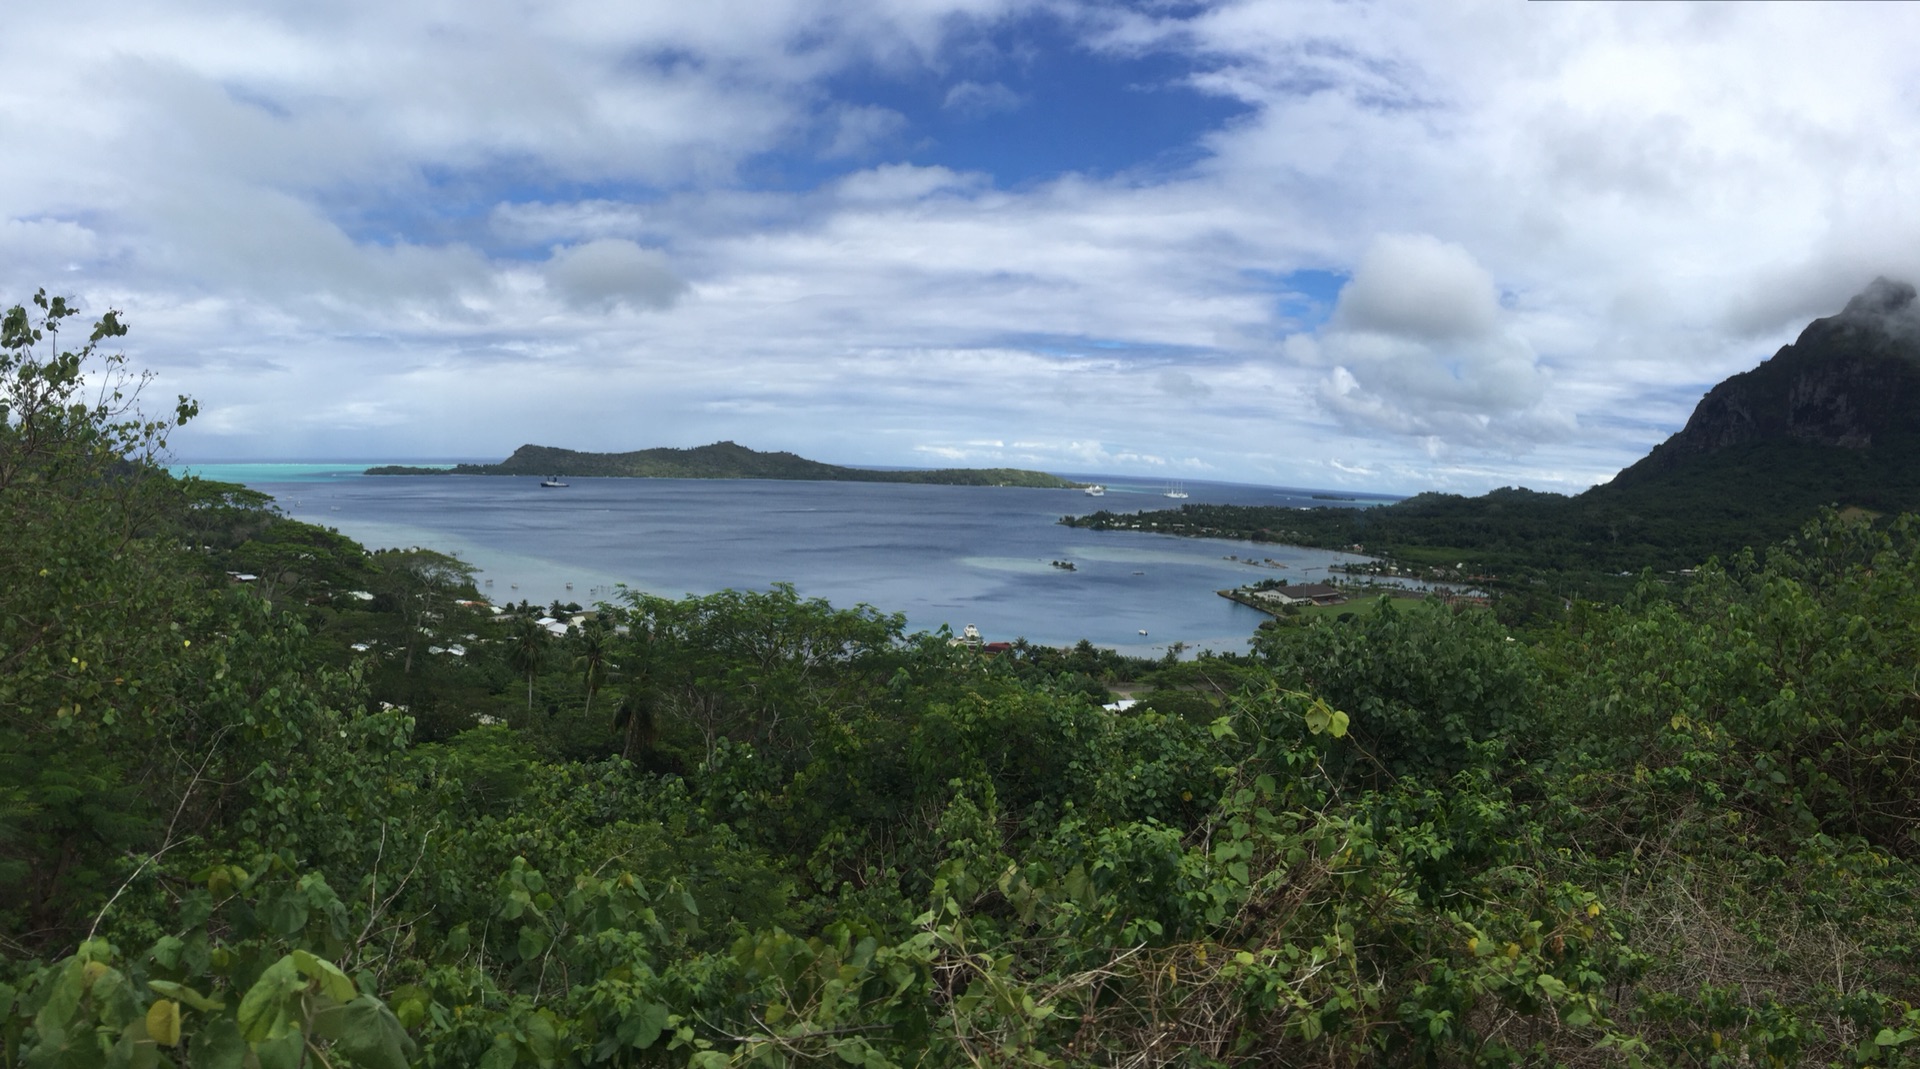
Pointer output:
1096, 490
1176, 491
553, 480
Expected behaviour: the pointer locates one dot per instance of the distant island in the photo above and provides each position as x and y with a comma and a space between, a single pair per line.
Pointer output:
724, 460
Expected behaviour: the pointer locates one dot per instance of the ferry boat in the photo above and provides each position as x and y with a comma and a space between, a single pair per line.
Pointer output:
1096, 490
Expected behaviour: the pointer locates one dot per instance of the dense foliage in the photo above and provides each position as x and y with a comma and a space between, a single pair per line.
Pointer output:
1665, 519
344, 814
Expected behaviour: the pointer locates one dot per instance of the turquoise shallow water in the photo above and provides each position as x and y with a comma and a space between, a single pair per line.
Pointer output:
943, 555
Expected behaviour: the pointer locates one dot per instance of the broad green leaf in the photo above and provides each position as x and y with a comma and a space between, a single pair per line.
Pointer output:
533, 941
1324, 719
183, 993
135, 1049
542, 1039
263, 1010
333, 982
644, 1025
1319, 717
163, 1022
287, 913
166, 951
499, 1056
55, 1044
57, 1014
282, 1052
219, 1045
367, 1032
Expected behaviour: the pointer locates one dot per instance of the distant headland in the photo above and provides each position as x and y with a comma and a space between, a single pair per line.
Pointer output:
723, 460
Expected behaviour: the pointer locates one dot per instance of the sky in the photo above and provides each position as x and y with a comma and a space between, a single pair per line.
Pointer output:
1379, 246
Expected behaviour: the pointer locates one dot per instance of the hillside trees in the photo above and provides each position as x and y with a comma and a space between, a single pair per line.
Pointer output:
1782, 684
1673, 831
86, 680
591, 660
528, 649
766, 668
144, 703
290, 557
420, 586
1431, 691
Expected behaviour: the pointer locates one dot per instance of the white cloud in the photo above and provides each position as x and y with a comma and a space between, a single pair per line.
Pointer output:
1418, 287
54, 242
974, 100
904, 183
1419, 347
1176, 383
861, 131
611, 272
587, 219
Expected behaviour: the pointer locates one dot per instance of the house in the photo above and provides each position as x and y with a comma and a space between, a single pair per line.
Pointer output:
1303, 594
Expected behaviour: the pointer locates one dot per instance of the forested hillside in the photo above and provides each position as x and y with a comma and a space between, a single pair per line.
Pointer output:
1830, 421
343, 814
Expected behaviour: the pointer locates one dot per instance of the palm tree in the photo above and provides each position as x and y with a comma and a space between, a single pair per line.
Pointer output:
592, 659
635, 718
527, 651
635, 721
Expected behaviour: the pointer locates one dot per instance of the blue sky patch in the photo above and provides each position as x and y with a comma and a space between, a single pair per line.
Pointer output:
1025, 102
1085, 347
1304, 300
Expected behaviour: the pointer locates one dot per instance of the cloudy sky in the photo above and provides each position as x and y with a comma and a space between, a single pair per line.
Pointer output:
1368, 245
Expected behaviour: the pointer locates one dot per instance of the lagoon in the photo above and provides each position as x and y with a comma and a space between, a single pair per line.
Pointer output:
942, 555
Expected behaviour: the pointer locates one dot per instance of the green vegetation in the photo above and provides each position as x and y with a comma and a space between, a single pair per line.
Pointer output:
724, 460
344, 815
1827, 422
1752, 495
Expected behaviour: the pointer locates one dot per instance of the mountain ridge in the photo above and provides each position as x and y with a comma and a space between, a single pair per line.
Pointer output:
1845, 381
1829, 421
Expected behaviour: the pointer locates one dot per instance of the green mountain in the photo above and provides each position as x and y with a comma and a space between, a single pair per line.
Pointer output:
723, 460
1832, 420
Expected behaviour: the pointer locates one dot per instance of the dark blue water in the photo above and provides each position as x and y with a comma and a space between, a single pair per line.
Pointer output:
943, 555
